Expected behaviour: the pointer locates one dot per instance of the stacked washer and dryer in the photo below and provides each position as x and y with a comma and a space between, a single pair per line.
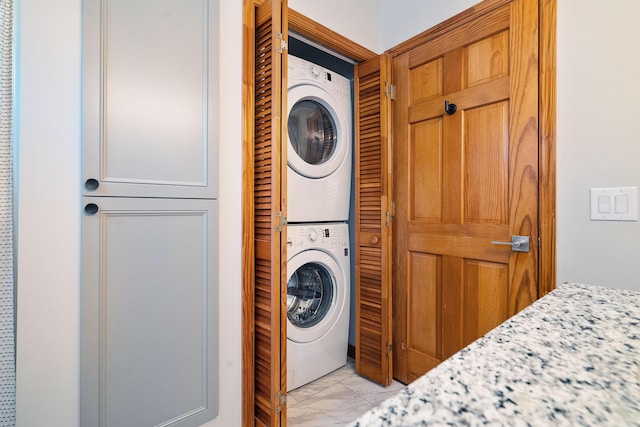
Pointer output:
318, 197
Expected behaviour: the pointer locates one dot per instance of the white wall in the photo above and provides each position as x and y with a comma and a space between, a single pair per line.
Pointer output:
403, 19
49, 208
358, 20
230, 262
598, 137
379, 24
48, 213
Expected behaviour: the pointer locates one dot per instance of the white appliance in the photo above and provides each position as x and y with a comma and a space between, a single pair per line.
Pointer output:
320, 138
318, 277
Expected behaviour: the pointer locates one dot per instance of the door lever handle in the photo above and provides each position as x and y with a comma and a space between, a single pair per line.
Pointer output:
517, 243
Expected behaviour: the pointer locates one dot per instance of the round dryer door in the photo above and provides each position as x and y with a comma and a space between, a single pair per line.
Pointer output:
315, 295
316, 130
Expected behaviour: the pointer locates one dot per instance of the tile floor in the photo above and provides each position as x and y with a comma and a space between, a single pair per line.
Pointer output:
335, 399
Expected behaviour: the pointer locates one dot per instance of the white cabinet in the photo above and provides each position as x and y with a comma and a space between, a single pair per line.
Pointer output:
149, 312
150, 98
149, 335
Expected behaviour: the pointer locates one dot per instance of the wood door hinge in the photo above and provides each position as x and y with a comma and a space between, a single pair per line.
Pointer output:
282, 400
390, 91
283, 45
389, 348
281, 221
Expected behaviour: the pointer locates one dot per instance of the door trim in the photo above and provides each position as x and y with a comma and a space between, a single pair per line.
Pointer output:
327, 37
248, 217
547, 146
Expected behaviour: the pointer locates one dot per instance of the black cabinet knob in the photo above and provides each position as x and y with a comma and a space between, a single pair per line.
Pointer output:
91, 209
91, 184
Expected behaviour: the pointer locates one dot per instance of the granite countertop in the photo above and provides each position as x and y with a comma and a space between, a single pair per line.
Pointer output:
571, 358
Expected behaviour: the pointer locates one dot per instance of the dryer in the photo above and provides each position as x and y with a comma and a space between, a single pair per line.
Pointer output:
320, 143
318, 281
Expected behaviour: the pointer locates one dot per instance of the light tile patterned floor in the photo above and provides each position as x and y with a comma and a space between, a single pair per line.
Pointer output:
335, 399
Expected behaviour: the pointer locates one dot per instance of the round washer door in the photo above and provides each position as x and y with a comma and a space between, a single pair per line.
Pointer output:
316, 132
315, 295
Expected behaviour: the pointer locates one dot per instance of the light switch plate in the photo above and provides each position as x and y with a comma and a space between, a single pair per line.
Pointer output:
614, 204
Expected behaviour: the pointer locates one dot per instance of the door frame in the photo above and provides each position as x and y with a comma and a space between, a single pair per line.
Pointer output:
308, 28
547, 145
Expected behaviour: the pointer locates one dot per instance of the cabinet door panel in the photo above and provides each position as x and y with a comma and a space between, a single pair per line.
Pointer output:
149, 98
149, 312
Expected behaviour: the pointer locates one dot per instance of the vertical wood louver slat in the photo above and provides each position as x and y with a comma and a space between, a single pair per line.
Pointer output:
373, 305
370, 187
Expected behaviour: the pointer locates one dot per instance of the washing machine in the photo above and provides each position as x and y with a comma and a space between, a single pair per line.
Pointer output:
320, 143
318, 281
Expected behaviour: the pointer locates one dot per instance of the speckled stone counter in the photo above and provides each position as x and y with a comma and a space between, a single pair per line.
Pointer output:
571, 358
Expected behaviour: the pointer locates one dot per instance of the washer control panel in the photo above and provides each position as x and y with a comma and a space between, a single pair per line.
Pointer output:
317, 235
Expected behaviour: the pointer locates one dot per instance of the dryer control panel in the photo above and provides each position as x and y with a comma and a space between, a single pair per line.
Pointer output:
301, 70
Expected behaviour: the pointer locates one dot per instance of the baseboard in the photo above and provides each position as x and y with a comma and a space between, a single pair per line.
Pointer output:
351, 351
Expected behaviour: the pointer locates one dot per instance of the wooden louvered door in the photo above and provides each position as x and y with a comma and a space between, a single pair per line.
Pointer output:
373, 220
463, 180
264, 289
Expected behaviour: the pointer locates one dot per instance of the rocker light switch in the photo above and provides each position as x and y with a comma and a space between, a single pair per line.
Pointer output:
622, 203
604, 204
614, 204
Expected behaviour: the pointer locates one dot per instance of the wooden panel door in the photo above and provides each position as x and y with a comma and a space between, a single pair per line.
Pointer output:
373, 220
463, 180
264, 289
